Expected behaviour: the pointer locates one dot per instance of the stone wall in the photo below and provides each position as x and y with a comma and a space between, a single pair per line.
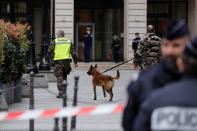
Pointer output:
192, 17
64, 17
135, 19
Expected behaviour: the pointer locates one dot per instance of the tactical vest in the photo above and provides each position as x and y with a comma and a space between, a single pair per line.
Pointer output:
62, 49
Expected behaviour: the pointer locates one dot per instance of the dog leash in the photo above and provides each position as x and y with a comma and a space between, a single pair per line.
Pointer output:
117, 65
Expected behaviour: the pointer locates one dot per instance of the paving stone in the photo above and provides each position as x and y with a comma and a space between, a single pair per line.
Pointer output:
45, 98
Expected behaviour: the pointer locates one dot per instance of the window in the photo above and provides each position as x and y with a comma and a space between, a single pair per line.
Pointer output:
160, 12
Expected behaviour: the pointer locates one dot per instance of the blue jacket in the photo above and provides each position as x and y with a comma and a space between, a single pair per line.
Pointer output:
87, 38
135, 44
178, 95
149, 81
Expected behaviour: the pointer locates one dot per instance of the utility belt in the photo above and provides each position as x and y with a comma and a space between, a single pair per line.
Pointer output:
62, 61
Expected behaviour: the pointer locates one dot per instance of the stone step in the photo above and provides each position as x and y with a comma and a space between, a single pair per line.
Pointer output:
100, 65
104, 65
49, 75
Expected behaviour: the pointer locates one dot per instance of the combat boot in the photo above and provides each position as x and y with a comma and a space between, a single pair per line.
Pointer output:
60, 95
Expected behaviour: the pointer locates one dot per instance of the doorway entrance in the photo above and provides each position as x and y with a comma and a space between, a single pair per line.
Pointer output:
80, 31
106, 18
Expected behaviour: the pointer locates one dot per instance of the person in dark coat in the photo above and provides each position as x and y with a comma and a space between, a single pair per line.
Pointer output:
116, 45
87, 44
166, 72
173, 107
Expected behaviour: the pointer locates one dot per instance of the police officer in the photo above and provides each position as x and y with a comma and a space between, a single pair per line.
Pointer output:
116, 45
87, 44
136, 42
148, 52
175, 106
173, 43
62, 48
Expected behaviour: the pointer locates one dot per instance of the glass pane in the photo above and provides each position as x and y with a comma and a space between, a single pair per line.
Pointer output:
20, 11
159, 15
5, 8
158, 8
161, 24
21, 7
179, 10
108, 22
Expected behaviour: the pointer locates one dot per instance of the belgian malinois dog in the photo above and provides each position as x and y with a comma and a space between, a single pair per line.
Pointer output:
106, 81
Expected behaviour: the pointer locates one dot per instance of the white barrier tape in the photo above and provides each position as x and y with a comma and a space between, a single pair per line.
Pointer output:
62, 112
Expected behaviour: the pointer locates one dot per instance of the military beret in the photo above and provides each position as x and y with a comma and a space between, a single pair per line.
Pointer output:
191, 48
175, 29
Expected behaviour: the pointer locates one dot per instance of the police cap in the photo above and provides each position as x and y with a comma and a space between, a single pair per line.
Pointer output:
88, 28
175, 29
191, 48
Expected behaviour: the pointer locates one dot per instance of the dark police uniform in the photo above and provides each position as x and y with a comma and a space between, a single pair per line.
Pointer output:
150, 80
87, 46
135, 44
173, 107
167, 105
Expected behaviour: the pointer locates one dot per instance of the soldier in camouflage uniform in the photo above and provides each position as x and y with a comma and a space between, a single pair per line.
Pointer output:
148, 52
60, 51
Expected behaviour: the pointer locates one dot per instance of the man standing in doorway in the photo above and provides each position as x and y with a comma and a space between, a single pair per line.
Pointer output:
62, 48
136, 42
148, 52
87, 44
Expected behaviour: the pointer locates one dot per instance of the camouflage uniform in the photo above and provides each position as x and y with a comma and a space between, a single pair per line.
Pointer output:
62, 67
148, 52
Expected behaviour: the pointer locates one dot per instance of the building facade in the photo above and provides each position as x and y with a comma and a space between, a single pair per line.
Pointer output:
124, 19
106, 18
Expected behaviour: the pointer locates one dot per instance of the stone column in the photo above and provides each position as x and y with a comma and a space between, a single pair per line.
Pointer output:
64, 17
192, 17
30, 19
38, 15
46, 37
135, 20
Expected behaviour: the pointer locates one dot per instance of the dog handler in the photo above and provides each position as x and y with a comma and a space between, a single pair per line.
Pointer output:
62, 48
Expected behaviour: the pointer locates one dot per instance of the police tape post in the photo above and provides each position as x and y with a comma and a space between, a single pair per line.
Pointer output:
62, 112
64, 119
73, 119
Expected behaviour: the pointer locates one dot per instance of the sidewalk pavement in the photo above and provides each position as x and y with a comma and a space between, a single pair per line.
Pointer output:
46, 99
